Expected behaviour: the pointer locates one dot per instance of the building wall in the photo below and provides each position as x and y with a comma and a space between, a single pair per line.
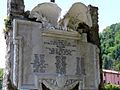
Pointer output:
112, 77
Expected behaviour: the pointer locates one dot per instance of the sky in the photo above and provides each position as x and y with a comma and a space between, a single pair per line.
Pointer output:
108, 14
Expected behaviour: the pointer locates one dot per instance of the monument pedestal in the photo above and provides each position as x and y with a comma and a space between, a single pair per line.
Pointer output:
58, 59
47, 55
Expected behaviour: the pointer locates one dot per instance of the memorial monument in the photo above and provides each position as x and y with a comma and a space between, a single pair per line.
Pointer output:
45, 53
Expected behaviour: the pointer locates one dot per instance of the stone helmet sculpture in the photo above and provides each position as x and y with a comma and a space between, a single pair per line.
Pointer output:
48, 11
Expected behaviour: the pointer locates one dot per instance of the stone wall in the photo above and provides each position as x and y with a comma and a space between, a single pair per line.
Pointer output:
95, 38
15, 8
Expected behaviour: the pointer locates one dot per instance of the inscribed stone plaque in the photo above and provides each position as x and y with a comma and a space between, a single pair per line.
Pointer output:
40, 53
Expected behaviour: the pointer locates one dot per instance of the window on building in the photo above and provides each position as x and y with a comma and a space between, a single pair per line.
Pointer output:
117, 75
104, 74
118, 82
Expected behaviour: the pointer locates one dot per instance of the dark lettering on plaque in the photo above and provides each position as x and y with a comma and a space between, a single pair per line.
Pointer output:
39, 64
60, 64
78, 67
82, 65
60, 43
60, 51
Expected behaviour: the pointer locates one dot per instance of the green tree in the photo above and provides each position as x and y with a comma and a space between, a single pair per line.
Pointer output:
110, 47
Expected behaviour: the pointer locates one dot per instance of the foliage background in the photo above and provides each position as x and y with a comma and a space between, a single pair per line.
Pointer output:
110, 47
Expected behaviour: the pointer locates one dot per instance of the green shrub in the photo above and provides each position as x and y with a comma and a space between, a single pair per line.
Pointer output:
1, 78
7, 22
111, 87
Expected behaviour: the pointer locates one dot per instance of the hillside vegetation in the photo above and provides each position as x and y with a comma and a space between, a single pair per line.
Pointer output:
110, 47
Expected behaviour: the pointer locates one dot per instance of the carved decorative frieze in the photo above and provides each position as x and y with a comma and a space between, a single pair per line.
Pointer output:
60, 83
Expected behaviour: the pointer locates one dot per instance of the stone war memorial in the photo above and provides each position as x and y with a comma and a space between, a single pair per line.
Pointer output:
45, 53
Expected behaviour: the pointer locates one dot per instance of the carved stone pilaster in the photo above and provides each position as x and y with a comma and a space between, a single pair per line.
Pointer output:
15, 63
17, 41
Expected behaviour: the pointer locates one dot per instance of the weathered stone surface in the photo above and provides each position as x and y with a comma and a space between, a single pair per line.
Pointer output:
15, 8
94, 30
78, 13
95, 37
7, 78
40, 55
46, 13
46, 54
